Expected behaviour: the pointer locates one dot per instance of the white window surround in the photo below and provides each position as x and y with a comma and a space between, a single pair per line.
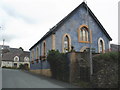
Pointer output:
101, 39
16, 59
109, 46
26, 59
68, 42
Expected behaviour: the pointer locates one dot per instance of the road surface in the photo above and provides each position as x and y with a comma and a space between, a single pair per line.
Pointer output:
19, 79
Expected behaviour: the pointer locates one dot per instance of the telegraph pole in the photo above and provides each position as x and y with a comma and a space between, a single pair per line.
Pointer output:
3, 43
2, 48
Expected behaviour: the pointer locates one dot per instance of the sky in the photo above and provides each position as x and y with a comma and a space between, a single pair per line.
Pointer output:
24, 22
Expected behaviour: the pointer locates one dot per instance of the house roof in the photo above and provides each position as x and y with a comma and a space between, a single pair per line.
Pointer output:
55, 28
23, 55
9, 56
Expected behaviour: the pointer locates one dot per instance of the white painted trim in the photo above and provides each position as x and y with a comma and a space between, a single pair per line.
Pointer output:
99, 45
63, 42
17, 59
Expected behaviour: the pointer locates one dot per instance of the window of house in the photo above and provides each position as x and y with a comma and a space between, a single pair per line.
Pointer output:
101, 45
44, 48
53, 41
15, 64
26, 59
16, 59
66, 47
33, 55
37, 53
66, 44
83, 34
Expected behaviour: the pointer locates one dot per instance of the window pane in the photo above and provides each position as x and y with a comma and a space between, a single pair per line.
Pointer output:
66, 44
44, 49
83, 35
101, 46
86, 35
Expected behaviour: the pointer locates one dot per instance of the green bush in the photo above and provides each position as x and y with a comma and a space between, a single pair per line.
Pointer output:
23, 67
59, 65
105, 67
113, 56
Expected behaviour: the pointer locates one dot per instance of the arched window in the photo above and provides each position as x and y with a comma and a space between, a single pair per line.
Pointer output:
32, 55
16, 59
26, 59
101, 45
44, 48
37, 53
83, 34
66, 43
53, 41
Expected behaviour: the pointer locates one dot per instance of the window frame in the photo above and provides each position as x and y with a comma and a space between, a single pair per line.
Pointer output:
103, 45
89, 35
37, 52
69, 42
44, 48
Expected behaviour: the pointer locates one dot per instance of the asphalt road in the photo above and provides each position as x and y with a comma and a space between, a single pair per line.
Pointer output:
20, 79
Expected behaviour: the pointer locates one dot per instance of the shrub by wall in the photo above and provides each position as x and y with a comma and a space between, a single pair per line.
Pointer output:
23, 67
59, 65
105, 70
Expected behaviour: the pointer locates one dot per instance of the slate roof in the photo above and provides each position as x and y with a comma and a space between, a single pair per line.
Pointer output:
9, 56
24, 54
55, 28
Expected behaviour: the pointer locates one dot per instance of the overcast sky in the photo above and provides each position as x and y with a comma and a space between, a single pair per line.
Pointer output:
24, 22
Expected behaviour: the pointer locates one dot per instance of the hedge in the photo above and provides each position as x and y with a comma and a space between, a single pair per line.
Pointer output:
105, 70
59, 65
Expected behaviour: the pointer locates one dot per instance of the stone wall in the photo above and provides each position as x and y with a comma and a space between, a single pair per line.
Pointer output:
79, 66
44, 72
79, 62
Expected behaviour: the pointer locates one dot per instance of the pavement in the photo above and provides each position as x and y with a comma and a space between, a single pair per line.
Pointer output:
22, 79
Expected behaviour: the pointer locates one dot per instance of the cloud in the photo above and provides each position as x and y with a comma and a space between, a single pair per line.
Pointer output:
11, 11
7, 37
